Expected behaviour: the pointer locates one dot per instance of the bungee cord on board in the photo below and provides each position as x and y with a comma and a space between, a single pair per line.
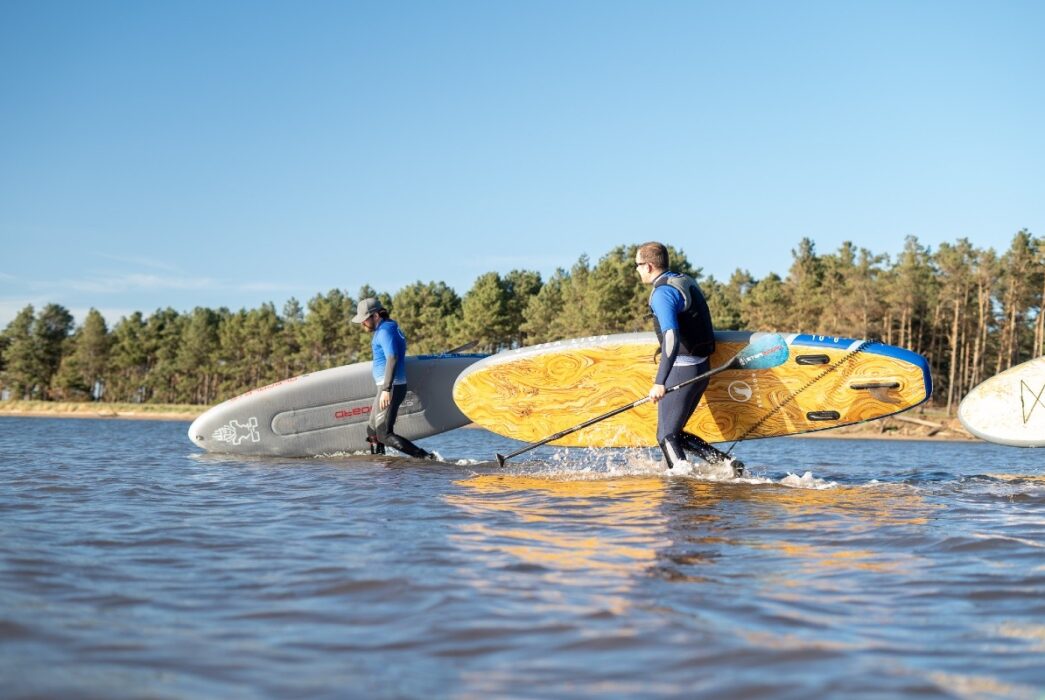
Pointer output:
863, 345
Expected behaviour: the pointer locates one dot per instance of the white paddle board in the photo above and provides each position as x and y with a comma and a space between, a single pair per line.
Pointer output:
326, 412
1008, 408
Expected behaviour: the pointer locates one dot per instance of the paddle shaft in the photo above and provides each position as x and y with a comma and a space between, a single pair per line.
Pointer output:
462, 348
732, 364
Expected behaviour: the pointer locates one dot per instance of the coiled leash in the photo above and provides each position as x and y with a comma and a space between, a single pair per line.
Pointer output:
864, 344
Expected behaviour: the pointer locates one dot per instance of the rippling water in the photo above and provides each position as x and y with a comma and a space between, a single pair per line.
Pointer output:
132, 565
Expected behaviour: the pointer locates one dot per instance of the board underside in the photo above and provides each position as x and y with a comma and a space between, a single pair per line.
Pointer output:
326, 412
531, 393
1008, 408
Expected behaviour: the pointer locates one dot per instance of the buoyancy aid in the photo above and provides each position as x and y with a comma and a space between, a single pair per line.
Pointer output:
696, 334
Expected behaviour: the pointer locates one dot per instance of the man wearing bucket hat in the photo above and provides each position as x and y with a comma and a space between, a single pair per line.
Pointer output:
389, 349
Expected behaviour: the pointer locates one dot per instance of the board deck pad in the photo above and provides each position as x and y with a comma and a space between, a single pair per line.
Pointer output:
531, 393
1008, 408
326, 412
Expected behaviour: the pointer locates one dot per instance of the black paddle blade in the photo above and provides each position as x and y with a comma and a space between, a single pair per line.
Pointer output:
500, 459
462, 348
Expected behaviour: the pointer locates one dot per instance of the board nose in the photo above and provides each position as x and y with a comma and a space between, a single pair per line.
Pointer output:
194, 433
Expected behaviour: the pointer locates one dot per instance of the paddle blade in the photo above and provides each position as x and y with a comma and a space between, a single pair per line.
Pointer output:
763, 352
462, 348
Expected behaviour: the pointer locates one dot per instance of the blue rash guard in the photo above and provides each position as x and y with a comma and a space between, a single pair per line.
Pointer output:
389, 348
667, 303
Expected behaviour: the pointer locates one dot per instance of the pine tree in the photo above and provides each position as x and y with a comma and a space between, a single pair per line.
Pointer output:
23, 372
51, 330
92, 353
543, 307
128, 360
426, 313
520, 286
1018, 292
804, 287
197, 359
767, 307
484, 315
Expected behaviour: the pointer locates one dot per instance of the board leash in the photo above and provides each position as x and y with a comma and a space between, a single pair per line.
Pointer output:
769, 414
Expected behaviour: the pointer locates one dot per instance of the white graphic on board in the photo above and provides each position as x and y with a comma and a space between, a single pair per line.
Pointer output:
740, 391
236, 432
1029, 400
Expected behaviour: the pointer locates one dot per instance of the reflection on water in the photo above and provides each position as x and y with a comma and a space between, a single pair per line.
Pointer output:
597, 534
132, 566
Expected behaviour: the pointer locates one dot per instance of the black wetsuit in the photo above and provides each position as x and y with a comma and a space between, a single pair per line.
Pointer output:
389, 368
687, 339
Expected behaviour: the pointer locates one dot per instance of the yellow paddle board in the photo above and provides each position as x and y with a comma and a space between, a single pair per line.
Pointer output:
531, 393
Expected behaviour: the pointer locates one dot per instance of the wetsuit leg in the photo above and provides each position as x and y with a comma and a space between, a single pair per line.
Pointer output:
376, 448
675, 409
383, 423
707, 452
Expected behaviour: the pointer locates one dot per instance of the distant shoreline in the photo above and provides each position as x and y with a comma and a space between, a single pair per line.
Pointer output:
938, 428
102, 415
116, 411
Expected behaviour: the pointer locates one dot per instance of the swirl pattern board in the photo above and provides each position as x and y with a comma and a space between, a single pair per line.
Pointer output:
326, 412
531, 393
1008, 408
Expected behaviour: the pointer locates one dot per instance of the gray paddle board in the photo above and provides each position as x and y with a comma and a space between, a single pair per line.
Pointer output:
326, 412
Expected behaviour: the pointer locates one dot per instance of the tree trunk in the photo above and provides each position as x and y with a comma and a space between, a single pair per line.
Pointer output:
953, 374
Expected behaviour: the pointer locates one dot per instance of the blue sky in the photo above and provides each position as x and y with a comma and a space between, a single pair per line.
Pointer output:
219, 153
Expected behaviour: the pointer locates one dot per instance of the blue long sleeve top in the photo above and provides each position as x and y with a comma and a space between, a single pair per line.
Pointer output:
389, 348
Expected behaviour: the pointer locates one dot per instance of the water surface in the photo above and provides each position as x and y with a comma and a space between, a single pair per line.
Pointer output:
132, 565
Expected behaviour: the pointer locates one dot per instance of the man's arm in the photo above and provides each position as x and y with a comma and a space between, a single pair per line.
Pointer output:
666, 303
390, 370
384, 340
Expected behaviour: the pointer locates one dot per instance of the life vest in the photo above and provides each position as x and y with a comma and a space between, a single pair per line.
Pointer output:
696, 334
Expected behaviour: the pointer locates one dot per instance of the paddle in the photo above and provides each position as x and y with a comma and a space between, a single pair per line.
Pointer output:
462, 348
764, 351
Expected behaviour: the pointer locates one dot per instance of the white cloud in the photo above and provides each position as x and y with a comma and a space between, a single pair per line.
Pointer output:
117, 284
9, 308
265, 287
141, 262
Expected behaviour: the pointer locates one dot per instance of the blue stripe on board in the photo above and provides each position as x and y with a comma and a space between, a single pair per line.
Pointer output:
891, 351
906, 355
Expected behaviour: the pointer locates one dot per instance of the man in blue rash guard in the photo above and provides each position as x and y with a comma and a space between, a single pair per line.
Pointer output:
389, 349
687, 339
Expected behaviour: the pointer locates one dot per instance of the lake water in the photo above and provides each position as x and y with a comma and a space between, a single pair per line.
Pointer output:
132, 565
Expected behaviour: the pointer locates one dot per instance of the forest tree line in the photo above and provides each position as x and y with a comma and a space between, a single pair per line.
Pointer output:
970, 311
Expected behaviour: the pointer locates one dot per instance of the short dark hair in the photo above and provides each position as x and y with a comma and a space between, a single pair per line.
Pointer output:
383, 313
656, 254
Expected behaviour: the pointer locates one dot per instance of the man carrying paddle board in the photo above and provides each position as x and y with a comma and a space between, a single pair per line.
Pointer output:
389, 368
682, 321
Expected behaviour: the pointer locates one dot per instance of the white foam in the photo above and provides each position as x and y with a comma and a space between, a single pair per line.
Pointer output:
592, 464
806, 481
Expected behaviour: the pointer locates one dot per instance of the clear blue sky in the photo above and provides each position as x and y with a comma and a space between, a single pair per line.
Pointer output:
218, 153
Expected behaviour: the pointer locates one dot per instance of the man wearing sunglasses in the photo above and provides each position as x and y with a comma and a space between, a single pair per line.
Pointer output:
682, 321
389, 368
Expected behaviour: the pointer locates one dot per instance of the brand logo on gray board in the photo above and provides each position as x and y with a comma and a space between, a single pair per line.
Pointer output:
236, 432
